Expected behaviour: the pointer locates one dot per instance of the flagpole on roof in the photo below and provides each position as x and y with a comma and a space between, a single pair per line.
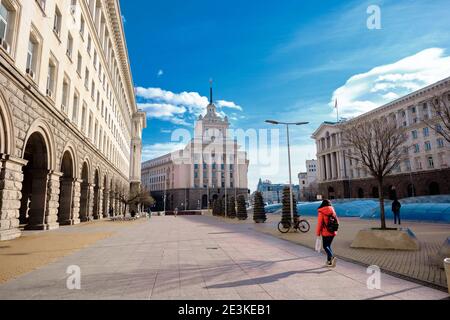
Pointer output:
337, 110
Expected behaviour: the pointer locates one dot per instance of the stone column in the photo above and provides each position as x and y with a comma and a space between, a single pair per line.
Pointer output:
53, 190
106, 193
90, 212
11, 178
76, 202
327, 167
100, 204
66, 201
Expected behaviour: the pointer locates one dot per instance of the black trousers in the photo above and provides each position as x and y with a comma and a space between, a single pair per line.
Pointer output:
397, 217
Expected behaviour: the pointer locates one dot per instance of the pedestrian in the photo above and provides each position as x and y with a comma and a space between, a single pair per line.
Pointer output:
176, 212
396, 206
327, 227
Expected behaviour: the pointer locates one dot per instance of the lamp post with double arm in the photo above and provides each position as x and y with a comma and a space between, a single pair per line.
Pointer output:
287, 124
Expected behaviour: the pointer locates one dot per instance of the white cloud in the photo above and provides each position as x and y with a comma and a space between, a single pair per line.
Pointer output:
228, 104
383, 84
178, 108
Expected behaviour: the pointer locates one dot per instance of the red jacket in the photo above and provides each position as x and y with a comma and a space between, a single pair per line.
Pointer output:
324, 214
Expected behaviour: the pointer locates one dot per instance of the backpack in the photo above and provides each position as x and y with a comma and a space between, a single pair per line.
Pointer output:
333, 224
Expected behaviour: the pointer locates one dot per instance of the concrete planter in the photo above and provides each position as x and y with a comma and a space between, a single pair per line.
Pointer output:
398, 239
447, 272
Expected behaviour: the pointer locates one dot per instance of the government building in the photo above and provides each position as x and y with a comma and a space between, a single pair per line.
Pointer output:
70, 131
425, 171
210, 167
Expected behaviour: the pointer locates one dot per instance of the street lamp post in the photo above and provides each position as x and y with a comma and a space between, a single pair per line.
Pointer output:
287, 124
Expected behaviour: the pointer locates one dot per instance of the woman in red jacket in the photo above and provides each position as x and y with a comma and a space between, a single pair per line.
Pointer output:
326, 211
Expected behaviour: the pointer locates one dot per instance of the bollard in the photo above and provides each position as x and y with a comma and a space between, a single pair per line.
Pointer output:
447, 272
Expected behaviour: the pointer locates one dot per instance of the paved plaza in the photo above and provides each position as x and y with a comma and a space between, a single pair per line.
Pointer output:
202, 258
419, 265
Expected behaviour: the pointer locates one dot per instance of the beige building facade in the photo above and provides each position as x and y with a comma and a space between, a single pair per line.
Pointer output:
425, 171
209, 167
70, 131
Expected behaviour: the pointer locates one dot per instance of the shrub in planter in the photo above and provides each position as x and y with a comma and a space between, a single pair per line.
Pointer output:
286, 208
231, 208
259, 212
241, 208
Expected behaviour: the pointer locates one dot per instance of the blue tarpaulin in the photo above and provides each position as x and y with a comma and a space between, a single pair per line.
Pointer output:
427, 209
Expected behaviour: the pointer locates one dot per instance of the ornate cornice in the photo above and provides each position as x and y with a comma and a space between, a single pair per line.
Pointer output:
115, 18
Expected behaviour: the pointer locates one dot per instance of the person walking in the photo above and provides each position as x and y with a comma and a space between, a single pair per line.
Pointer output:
327, 227
176, 212
396, 206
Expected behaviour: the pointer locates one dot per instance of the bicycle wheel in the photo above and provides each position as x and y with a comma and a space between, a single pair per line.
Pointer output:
304, 226
284, 227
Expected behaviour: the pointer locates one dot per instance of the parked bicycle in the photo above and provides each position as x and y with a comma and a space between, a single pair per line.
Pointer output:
299, 225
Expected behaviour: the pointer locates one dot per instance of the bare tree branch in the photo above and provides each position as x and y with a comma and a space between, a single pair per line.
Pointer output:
378, 146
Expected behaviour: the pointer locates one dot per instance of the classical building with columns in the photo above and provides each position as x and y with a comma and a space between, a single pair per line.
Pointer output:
70, 131
211, 166
425, 171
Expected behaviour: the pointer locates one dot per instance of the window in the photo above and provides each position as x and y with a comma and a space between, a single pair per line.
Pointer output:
57, 22
440, 143
93, 90
414, 110
31, 58
7, 18
90, 125
41, 4
428, 146
86, 79
408, 165
430, 162
426, 132
416, 148
89, 44
75, 108
69, 46
439, 128
82, 27
65, 96
83, 118
73, 7
414, 134
51, 79
79, 64
95, 60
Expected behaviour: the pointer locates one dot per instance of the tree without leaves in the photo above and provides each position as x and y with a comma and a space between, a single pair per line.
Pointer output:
440, 120
141, 197
377, 146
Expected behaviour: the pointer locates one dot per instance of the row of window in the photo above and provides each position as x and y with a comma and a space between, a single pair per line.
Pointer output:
428, 145
7, 14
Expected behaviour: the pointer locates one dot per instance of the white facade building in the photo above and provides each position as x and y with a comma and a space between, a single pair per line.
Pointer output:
308, 181
68, 110
425, 170
210, 165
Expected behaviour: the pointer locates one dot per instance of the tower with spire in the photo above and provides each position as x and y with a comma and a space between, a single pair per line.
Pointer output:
211, 125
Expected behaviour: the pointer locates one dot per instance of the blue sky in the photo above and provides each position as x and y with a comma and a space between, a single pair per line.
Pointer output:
287, 60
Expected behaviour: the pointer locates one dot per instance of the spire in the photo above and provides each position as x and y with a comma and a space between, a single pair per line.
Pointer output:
210, 91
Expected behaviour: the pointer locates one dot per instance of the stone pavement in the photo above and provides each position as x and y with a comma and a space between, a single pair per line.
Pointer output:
204, 258
417, 265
